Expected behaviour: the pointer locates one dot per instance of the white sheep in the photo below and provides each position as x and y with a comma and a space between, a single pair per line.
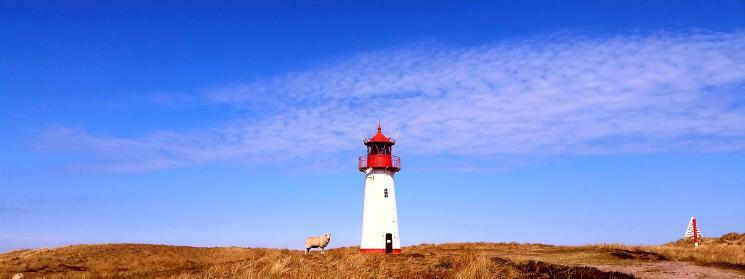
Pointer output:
317, 242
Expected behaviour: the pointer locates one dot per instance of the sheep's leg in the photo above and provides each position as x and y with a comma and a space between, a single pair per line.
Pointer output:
306, 250
322, 250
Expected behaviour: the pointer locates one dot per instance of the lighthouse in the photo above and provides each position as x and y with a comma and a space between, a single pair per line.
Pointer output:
379, 217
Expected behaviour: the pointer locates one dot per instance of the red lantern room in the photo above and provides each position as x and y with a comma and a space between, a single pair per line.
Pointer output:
380, 153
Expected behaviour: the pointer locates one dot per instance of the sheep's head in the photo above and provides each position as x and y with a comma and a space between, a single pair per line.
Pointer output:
327, 236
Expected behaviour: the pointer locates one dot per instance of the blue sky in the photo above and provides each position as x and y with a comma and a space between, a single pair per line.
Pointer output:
239, 124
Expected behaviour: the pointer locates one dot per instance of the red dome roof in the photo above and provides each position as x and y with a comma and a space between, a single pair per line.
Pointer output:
379, 137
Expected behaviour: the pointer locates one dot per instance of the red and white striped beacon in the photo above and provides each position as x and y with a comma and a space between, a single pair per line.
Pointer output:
379, 217
692, 231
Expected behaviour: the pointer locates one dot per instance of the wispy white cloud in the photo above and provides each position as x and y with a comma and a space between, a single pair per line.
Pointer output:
563, 94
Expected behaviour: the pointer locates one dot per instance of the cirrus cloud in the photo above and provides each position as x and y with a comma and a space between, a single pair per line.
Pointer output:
562, 94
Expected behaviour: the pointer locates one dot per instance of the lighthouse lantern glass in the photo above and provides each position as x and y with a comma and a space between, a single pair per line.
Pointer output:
375, 149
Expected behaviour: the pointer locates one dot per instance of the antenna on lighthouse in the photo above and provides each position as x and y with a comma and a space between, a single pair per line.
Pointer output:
364, 136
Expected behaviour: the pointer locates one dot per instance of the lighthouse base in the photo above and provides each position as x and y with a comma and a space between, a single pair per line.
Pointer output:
378, 251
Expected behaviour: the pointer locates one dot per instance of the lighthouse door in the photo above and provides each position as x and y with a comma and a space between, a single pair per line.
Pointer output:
388, 243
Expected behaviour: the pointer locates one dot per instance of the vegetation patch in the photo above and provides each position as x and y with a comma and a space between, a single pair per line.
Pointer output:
537, 269
637, 255
451, 260
727, 251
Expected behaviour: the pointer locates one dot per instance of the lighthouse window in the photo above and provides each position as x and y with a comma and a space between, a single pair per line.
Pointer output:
379, 149
385, 192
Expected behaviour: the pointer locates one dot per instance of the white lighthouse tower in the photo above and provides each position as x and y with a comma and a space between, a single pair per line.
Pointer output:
379, 218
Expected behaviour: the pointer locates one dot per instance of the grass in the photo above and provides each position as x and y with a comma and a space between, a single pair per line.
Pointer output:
728, 250
725, 251
452, 260
469, 260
